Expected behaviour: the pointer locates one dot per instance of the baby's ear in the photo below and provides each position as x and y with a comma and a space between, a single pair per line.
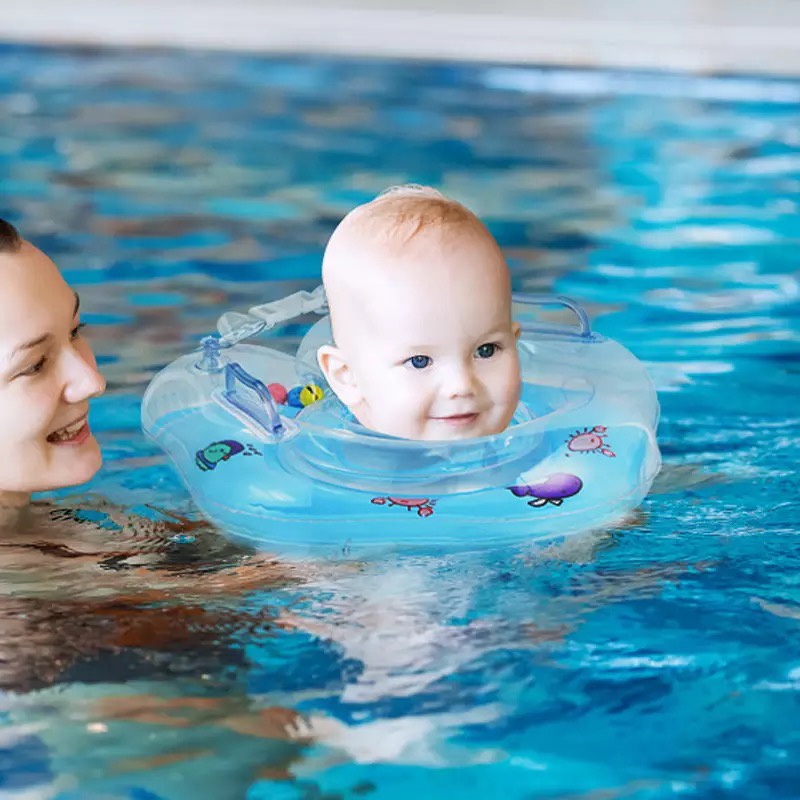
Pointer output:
517, 328
337, 372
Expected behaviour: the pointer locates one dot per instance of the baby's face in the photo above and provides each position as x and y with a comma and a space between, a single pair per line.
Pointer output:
433, 353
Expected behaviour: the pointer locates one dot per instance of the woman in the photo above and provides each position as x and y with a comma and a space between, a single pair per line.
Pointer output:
48, 374
58, 568
90, 610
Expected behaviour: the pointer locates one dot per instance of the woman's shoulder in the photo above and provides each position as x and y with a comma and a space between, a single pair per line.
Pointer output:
91, 526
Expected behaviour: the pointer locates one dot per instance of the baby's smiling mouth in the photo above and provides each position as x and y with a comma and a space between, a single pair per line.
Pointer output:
458, 419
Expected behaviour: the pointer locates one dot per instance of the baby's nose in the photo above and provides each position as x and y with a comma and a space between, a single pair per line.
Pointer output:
460, 381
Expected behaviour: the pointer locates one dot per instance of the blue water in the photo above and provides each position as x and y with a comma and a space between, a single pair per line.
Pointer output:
655, 660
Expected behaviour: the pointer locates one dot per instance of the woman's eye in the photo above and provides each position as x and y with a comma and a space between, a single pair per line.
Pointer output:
486, 350
34, 369
76, 331
419, 362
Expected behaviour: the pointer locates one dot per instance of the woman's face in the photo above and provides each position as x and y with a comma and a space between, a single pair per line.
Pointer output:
47, 375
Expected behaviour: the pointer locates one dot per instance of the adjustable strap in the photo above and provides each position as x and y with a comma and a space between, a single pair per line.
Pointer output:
234, 326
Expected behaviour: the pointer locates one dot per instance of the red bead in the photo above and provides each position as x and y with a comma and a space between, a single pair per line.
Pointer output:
278, 392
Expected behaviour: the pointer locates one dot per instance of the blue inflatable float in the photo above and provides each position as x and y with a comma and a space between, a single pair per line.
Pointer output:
270, 455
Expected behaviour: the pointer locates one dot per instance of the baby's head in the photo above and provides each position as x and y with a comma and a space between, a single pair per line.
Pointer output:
420, 301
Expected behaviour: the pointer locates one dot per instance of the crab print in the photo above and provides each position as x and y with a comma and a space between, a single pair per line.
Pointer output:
590, 440
424, 505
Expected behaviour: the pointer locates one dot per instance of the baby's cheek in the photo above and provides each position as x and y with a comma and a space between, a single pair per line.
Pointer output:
398, 397
379, 390
508, 388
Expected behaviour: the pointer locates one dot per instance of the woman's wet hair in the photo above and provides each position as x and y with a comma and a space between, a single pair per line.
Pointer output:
10, 240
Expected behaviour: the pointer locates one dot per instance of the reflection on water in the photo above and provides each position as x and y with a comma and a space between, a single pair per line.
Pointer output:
76, 583
142, 656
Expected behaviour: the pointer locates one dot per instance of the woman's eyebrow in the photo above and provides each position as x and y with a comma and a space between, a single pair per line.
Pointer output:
32, 343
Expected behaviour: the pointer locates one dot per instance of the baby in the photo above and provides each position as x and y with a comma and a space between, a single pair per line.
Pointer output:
420, 302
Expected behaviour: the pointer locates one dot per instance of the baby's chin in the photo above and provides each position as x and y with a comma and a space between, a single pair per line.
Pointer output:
447, 432
438, 430
454, 429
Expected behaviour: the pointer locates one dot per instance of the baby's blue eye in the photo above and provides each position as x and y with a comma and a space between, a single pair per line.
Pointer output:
419, 362
486, 350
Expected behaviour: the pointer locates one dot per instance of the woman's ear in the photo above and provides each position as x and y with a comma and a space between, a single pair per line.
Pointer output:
339, 375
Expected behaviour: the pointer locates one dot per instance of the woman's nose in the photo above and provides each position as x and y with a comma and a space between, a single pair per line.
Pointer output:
83, 380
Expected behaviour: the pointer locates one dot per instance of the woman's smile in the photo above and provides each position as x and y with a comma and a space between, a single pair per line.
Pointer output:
75, 433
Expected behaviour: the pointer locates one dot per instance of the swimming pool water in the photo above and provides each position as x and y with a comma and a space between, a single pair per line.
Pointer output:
655, 660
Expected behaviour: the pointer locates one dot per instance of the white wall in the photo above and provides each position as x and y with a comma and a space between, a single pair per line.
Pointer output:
697, 35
